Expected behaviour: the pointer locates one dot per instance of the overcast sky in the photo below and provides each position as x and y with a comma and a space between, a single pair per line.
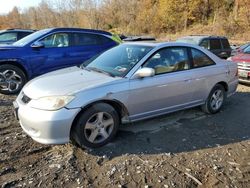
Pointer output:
7, 5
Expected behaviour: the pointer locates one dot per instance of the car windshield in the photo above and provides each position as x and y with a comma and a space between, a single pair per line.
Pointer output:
26, 40
247, 50
119, 60
188, 40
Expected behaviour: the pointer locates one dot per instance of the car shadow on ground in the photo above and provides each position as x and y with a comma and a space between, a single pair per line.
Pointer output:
183, 131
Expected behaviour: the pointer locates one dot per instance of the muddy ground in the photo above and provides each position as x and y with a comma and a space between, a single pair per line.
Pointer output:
183, 149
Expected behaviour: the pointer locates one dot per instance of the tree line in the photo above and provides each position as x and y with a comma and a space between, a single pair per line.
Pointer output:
137, 17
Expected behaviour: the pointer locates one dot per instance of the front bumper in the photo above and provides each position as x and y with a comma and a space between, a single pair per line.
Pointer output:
47, 127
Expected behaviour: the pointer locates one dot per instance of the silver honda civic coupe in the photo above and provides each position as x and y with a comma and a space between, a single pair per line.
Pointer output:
127, 83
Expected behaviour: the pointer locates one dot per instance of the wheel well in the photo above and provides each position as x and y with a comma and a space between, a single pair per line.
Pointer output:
17, 65
118, 106
224, 84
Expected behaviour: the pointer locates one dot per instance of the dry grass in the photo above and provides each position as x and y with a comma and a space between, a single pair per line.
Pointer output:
237, 38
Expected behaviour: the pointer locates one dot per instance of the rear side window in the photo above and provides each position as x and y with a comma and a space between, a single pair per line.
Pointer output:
23, 34
104, 40
225, 43
204, 43
84, 39
215, 44
200, 59
190, 40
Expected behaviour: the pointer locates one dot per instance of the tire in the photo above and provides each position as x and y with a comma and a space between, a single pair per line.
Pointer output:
12, 79
90, 131
215, 100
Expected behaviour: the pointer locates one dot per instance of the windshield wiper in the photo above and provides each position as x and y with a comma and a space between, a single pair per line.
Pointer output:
100, 71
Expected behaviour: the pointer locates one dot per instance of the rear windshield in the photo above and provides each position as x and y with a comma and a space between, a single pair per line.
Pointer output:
225, 43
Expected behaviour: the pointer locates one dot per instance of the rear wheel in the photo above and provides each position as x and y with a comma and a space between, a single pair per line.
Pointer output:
215, 100
12, 79
96, 126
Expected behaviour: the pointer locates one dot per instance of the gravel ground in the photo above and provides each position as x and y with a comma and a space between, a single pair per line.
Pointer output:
183, 149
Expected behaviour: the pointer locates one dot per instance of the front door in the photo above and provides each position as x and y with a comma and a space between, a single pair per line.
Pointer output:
52, 56
170, 88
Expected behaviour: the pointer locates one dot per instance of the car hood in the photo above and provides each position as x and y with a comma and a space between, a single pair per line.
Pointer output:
241, 57
66, 81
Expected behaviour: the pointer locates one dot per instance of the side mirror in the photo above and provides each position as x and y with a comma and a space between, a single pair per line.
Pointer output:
37, 44
144, 72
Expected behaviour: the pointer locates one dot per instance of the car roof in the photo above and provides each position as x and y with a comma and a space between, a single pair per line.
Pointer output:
137, 38
81, 30
205, 36
18, 30
142, 43
159, 45
162, 44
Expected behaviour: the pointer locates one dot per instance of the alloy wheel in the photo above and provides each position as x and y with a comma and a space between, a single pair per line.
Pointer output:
217, 99
10, 80
99, 127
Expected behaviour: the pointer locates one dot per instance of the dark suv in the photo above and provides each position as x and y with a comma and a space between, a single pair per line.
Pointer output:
217, 44
48, 50
10, 36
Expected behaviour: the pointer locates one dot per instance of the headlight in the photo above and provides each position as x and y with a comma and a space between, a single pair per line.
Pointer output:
229, 59
51, 103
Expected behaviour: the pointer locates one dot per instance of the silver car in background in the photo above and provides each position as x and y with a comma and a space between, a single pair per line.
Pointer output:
127, 83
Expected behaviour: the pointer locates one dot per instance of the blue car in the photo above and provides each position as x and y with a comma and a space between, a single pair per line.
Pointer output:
10, 36
48, 50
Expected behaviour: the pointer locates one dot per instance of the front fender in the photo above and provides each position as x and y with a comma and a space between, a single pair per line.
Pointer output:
19, 63
115, 92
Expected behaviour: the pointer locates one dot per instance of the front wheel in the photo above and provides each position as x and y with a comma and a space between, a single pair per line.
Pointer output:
96, 126
12, 79
215, 100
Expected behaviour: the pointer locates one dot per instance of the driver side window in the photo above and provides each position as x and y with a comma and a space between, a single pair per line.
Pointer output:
169, 60
56, 40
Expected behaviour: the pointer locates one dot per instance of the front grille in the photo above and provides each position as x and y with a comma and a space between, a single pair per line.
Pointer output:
25, 99
244, 66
